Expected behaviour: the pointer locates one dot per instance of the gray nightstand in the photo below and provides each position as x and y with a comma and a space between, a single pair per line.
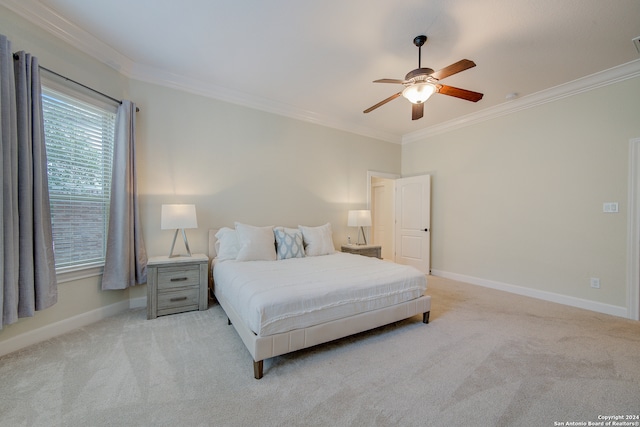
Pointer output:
176, 284
366, 250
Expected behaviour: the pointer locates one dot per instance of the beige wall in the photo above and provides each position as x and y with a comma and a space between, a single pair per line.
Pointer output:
518, 199
234, 163
239, 164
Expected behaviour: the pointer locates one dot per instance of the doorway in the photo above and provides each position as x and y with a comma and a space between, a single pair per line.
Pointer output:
382, 215
400, 217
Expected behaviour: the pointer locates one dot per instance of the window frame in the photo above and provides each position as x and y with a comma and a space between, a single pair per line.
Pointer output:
77, 92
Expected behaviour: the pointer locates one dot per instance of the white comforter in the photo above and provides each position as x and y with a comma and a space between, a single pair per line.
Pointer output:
279, 296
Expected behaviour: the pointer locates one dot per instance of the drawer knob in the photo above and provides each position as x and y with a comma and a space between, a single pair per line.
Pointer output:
178, 299
178, 279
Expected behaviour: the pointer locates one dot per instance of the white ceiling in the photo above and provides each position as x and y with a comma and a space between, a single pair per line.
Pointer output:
316, 60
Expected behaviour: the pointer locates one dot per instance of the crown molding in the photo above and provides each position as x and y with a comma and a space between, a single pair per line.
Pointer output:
50, 21
584, 84
47, 19
198, 87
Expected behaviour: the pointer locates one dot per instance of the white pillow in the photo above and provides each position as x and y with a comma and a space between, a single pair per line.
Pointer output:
227, 246
317, 240
288, 243
256, 243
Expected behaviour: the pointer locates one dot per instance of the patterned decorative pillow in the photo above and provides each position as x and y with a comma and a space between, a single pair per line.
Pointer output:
288, 243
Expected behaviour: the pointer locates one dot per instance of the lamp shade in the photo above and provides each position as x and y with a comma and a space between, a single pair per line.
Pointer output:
178, 216
419, 92
359, 218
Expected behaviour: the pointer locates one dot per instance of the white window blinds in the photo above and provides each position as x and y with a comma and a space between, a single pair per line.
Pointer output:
79, 140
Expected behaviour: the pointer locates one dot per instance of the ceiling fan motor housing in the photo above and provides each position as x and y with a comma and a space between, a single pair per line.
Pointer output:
417, 73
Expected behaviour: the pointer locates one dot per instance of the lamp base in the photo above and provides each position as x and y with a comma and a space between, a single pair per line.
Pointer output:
173, 244
363, 236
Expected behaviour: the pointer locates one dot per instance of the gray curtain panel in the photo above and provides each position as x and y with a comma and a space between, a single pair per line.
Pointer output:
27, 264
126, 260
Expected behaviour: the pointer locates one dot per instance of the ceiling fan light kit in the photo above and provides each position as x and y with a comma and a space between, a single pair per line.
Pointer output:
421, 83
419, 92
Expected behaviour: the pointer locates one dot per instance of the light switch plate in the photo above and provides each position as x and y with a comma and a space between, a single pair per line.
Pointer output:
610, 207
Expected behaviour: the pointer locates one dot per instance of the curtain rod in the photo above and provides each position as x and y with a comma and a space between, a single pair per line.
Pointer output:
84, 86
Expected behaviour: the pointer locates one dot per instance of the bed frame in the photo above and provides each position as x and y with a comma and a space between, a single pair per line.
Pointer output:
262, 348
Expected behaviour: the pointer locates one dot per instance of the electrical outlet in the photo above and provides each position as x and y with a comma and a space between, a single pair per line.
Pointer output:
610, 207
595, 283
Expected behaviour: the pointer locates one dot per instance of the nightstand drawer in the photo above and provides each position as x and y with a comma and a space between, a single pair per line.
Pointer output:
175, 301
178, 277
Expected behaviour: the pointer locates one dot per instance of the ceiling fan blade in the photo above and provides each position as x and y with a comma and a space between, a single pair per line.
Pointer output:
389, 81
417, 111
463, 64
459, 93
381, 103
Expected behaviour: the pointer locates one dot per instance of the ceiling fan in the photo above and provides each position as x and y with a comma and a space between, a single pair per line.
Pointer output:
421, 83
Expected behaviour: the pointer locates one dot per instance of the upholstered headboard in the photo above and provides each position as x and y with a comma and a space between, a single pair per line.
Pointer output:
212, 242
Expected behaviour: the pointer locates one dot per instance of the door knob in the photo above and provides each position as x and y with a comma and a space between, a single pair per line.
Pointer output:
426, 229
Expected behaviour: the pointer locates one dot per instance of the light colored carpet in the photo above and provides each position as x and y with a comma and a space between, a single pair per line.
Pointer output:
487, 358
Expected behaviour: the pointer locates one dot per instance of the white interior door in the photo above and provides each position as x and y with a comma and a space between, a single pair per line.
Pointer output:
413, 221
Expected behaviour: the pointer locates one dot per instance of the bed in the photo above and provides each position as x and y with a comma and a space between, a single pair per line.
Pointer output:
283, 295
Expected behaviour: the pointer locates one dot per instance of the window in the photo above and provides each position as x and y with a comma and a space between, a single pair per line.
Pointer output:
79, 140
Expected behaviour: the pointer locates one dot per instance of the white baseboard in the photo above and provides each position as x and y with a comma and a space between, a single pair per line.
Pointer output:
138, 302
599, 307
67, 325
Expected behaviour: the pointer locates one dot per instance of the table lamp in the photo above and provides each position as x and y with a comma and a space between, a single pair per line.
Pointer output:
178, 217
360, 218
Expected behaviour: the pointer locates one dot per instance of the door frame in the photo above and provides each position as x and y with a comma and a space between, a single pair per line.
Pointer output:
633, 232
386, 175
